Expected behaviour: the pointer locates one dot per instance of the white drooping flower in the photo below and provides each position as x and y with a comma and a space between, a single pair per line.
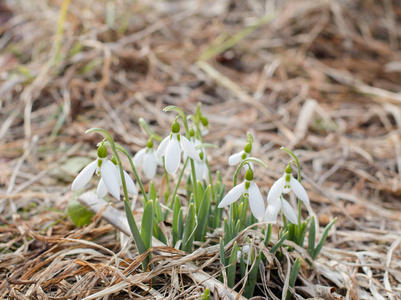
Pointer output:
250, 190
201, 169
240, 156
245, 254
275, 201
131, 188
274, 207
172, 146
146, 159
103, 167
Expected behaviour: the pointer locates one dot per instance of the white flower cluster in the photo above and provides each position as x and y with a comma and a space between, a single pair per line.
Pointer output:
275, 200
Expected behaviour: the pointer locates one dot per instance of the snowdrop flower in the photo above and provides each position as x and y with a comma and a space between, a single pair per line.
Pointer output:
205, 125
201, 169
146, 158
240, 156
172, 146
245, 254
275, 201
103, 167
250, 190
102, 188
274, 207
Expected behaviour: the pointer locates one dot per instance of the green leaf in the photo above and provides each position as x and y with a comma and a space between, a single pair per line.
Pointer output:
199, 196
158, 211
189, 229
203, 215
302, 233
323, 239
152, 194
226, 231
147, 224
232, 266
158, 233
222, 253
135, 233
180, 226
268, 235
252, 277
312, 237
176, 211
294, 275
279, 242
78, 213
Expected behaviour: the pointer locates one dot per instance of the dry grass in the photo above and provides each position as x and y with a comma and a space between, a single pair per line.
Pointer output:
320, 77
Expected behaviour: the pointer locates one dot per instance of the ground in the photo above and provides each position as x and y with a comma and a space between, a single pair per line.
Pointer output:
321, 78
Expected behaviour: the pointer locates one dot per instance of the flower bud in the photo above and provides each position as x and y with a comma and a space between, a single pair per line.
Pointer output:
175, 128
102, 151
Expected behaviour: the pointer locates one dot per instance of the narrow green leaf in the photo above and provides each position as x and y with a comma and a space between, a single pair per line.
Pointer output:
203, 215
252, 278
176, 211
293, 275
158, 233
189, 229
158, 210
232, 266
226, 231
268, 235
152, 194
279, 242
199, 196
222, 253
135, 233
323, 239
312, 237
180, 225
147, 224
302, 233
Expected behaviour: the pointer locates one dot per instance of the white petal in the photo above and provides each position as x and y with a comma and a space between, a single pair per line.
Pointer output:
130, 184
256, 201
235, 158
233, 195
108, 173
161, 150
101, 189
288, 211
199, 170
138, 157
189, 148
149, 165
173, 155
276, 190
84, 176
271, 213
299, 190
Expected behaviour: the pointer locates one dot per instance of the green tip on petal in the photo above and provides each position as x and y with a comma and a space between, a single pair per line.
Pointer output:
149, 144
205, 121
288, 170
192, 133
248, 148
102, 152
175, 128
249, 174
201, 155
